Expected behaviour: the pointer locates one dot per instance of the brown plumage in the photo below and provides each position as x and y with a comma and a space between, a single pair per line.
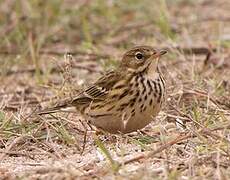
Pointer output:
126, 99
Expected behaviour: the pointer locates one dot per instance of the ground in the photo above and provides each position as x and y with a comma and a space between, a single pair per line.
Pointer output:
49, 50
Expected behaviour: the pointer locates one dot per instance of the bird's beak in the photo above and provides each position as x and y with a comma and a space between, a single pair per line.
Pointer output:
159, 53
162, 52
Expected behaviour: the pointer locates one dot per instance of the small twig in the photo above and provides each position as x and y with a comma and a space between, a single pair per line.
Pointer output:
18, 153
215, 136
14, 143
207, 58
84, 142
178, 139
204, 129
31, 164
72, 122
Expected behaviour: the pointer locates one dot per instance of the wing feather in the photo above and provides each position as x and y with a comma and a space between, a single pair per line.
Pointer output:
99, 90
96, 92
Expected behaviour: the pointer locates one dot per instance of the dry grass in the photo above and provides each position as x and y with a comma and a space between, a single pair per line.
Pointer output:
189, 139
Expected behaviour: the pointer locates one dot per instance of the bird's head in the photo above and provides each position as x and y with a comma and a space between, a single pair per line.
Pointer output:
141, 59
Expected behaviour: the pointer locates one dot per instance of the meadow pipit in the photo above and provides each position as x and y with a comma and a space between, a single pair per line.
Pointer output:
126, 99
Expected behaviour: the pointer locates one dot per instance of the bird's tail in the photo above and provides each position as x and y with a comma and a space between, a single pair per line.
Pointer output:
51, 110
77, 103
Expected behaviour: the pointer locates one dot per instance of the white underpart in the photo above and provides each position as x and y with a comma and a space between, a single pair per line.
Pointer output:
152, 74
125, 119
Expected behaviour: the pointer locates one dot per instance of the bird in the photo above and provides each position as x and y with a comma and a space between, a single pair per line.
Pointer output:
126, 99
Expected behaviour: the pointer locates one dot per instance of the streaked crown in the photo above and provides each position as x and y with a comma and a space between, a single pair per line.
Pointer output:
141, 57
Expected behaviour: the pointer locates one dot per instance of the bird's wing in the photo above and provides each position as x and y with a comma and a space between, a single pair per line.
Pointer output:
96, 92
99, 90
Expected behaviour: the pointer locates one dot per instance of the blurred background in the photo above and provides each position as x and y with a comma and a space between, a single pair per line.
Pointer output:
31, 30
50, 49
66, 41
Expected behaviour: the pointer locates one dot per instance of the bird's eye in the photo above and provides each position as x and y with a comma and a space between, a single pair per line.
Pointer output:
139, 56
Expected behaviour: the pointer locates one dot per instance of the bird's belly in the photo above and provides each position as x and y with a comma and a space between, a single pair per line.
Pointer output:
141, 119
124, 122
